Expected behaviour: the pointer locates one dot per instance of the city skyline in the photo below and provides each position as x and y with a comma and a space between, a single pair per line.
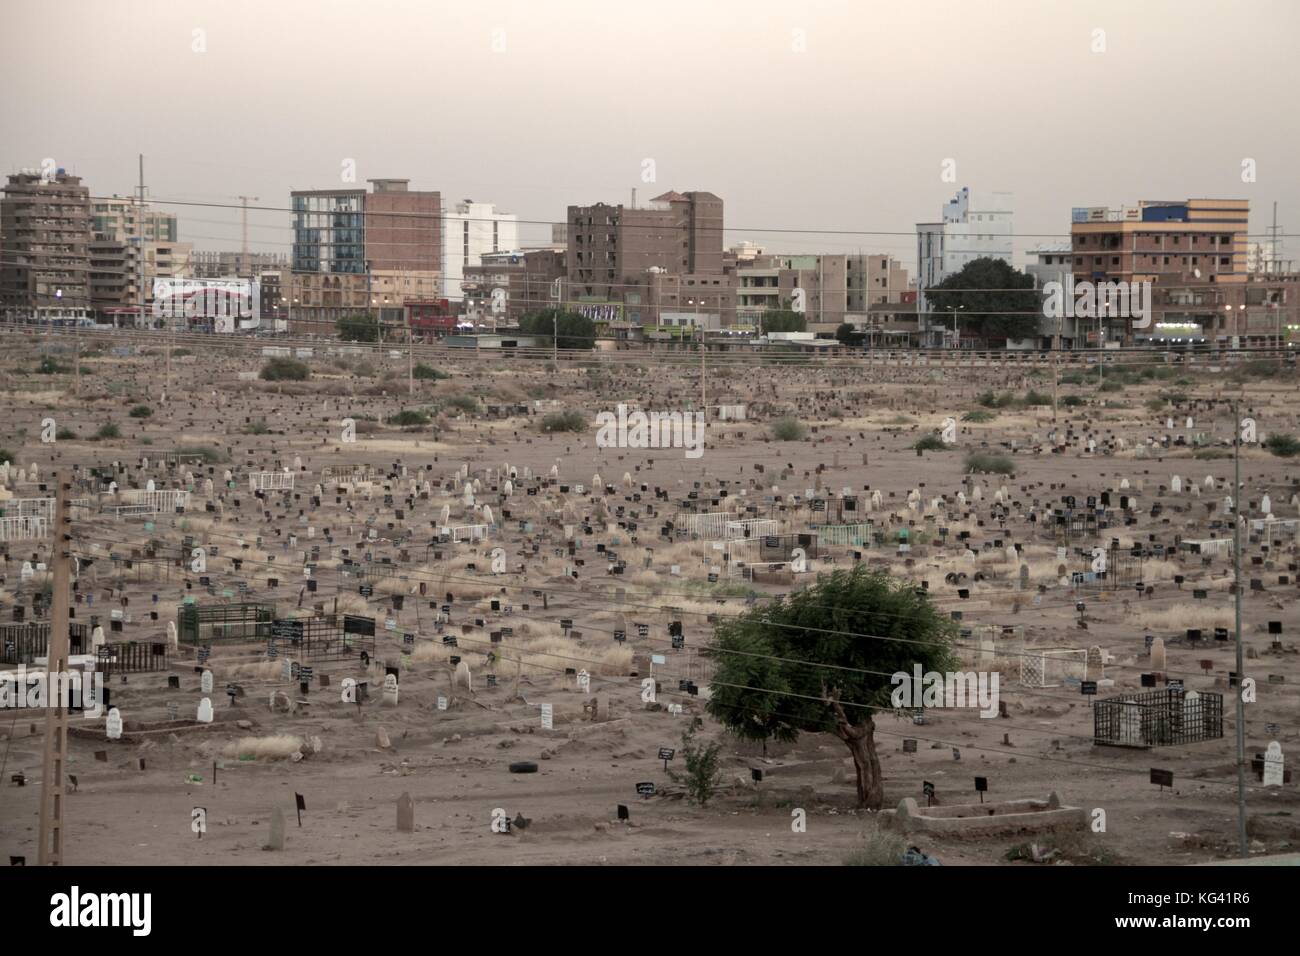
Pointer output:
516, 135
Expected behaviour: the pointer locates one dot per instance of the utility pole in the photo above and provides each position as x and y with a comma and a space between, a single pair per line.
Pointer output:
243, 218
56, 665
1244, 845
704, 372
555, 324
410, 354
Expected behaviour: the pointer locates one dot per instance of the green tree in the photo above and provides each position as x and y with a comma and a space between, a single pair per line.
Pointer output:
820, 661
575, 331
784, 319
358, 328
703, 765
847, 334
990, 298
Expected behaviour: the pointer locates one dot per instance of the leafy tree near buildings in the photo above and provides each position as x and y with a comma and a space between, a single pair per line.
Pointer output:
358, 328
848, 334
784, 319
990, 298
820, 661
575, 331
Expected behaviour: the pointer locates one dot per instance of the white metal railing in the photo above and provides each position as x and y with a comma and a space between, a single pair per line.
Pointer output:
270, 481
709, 525
752, 527
24, 528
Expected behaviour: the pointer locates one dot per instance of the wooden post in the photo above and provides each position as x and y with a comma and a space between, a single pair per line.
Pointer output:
56, 717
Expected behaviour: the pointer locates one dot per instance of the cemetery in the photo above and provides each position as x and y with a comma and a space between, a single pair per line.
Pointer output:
414, 621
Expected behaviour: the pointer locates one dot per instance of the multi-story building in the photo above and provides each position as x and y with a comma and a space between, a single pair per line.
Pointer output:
835, 288
220, 265
44, 241
973, 226
526, 279
619, 258
131, 246
1188, 250
470, 231
358, 251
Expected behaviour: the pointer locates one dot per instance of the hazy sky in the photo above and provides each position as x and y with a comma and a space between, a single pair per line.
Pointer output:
843, 126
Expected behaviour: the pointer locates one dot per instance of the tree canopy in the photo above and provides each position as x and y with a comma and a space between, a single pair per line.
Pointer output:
575, 331
990, 298
783, 320
820, 661
358, 328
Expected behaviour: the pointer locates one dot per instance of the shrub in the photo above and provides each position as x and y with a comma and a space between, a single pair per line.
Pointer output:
208, 454
1282, 445
979, 416
258, 427
108, 430
1211, 454
463, 403
788, 429
981, 463
65, 434
570, 421
408, 418
1110, 385
1155, 404
879, 847
428, 373
140, 411
50, 367
1037, 398
285, 370
931, 443
1072, 401
702, 765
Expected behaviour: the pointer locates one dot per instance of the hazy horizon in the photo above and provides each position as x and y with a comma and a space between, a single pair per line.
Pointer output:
851, 133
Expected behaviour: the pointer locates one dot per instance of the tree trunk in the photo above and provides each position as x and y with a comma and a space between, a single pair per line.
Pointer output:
861, 741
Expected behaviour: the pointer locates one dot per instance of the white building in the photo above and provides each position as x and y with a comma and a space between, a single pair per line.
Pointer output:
974, 226
469, 230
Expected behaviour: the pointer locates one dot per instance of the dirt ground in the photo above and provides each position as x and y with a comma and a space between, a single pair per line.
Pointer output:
861, 422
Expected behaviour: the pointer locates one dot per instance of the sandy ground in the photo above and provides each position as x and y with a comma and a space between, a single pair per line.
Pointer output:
454, 762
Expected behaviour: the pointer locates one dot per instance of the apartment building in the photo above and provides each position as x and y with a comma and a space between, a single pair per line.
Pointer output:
470, 231
357, 251
45, 236
835, 288
207, 264
973, 225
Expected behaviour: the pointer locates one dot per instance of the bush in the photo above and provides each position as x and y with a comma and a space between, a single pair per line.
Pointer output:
564, 422
1284, 446
208, 454
981, 463
1037, 398
65, 434
1072, 401
702, 765
979, 416
879, 847
258, 427
140, 411
1155, 404
358, 328
788, 429
409, 418
931, 443
989, 400
285, 370
50, 367
108, 430
428, 373
1110, 385
463, 403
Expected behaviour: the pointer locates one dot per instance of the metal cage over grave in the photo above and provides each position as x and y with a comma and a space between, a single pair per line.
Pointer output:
270, 481
24, 529
218, 623
710, 525
157, 502
752, 528
1158, 718
1123, 571
131, 657
1070, 524
849, 535
743, 554
329, 637
23, 643
1051, 667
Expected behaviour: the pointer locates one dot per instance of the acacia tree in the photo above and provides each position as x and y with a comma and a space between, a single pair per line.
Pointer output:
820, 661
576, 331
